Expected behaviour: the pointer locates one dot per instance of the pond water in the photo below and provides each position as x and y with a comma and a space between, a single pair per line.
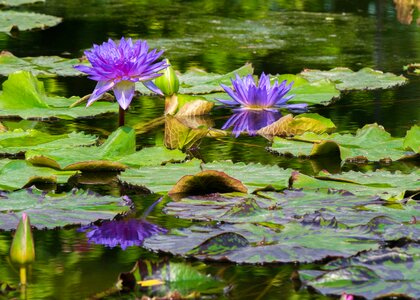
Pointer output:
217, 36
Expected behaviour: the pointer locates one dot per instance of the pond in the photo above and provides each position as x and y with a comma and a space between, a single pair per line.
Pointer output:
206, 243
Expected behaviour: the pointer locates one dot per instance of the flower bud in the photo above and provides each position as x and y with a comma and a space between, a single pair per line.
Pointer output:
22, 250
168, 83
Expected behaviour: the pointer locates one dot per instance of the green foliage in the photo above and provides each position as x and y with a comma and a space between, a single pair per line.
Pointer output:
57, 210
13, 20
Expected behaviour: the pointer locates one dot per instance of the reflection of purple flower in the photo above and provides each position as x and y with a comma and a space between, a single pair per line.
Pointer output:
119, 66
248, 94
251, 121
124, 233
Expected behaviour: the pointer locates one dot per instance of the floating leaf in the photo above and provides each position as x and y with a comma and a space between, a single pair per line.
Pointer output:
412, 139
364, 79
372, 274
57, 210
24, 96
13, 20
41, 65
18, 2
371, 143
382, 184
289, 125
320, 92
413, 69
16, 174
207, 182
18, 141
294, 242
153, 156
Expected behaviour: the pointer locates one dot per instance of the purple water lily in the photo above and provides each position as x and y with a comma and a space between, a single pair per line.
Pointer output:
264, 96
250, 121
118, 66
124, 233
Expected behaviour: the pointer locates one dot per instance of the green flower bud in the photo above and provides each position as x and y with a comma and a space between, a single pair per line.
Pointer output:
22, 250
168, 83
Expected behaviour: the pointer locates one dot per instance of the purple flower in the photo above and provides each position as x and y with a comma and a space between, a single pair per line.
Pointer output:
249, 95
124, 233
119, 66
251, 121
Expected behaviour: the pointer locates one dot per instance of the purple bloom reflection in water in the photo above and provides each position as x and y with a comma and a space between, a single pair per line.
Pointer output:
117, 66
250, 121
125, 233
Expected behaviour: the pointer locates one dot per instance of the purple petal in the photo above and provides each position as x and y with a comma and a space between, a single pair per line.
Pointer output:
124, 92
152, 86
101, 88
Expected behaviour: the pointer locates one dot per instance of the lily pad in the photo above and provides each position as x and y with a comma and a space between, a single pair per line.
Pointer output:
116, 153
19, 141
42, 65
57, 210
259, 244
371, 143
14, 20
412, 139
18, 2
319, 92
387, 185
16, 174
371, 274
24, 96
364, 79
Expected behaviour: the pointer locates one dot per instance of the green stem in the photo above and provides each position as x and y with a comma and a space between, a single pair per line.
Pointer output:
22, 274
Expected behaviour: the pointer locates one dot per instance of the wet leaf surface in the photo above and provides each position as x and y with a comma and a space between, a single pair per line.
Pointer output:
18, 2
21, 21
23, 96
364, 79
57, 210
370, 143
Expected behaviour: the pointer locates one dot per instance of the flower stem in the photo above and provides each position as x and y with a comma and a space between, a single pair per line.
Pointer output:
22, 275
121, 117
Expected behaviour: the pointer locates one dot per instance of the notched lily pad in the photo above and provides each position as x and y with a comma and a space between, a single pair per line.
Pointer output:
21, 21
24, 96
57, 210
364, 79
370, 143
207, 182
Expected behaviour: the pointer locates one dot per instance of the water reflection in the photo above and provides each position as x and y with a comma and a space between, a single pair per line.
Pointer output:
250, 121
124, 233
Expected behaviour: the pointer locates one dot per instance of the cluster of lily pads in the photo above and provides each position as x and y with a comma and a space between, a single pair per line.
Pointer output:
250, 213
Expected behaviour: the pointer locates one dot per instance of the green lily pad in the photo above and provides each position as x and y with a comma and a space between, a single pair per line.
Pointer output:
42, 65
152, 156
14, 20
384, 184
259, 244
16, 174
19, 141
57, 210
18, 2
412, 139
253, 176
319, 92
371, 143
24, 96
364, 79
370, 274
413, 69
289, 125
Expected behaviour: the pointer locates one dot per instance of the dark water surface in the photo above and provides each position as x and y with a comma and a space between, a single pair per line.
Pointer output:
218, 36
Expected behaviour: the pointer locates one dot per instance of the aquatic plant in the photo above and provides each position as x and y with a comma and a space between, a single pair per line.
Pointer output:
118, 66
249, 95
